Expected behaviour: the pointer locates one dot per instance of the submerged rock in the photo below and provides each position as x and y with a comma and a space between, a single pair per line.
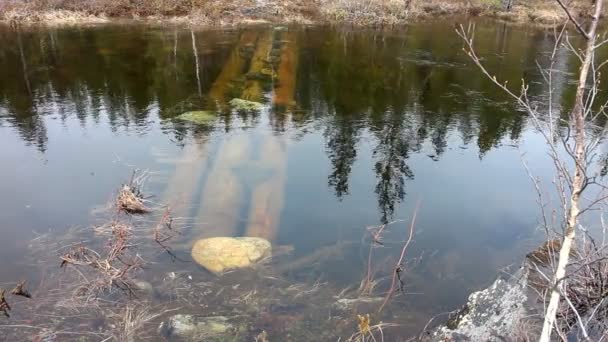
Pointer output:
143, 286
245, 105
220, 254
190, 327
198, 116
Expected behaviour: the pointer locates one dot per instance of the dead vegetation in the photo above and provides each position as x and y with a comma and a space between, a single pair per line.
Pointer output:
4, 305
130, 198
231, 12
114, 265
99, 278
98, 293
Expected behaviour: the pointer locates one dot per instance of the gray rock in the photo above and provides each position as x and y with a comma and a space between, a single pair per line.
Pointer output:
492, 314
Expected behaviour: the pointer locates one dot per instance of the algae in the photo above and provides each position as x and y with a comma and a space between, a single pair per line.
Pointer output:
246, 105
198, 117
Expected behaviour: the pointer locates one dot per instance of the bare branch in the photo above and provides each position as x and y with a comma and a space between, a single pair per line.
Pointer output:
573, 20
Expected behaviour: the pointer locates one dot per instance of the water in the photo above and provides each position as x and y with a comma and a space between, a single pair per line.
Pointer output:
358, 126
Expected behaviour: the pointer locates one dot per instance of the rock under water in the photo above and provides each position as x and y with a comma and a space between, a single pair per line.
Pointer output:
220, 254
246, 105
193, 328
198, 117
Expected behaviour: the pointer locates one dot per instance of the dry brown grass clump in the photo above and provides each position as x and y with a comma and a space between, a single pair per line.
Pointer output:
130, 201
366, 12
130, 197
113, 267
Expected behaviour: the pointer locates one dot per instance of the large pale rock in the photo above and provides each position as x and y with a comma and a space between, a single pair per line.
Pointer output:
220, 254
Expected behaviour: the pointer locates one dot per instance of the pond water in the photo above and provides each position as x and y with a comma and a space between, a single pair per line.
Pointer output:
356, 128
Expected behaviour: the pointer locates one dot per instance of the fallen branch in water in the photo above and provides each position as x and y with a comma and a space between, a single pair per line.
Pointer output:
164, 231
112, 267
20, 290
399, 267
367, 284
4, 306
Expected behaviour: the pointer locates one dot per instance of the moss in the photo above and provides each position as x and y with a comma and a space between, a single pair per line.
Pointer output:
198, 117
245, 105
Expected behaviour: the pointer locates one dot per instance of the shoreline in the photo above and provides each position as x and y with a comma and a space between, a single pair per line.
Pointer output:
353, 14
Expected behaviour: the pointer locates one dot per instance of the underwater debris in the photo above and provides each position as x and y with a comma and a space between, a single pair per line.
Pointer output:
199, 117
20, 290
241, 105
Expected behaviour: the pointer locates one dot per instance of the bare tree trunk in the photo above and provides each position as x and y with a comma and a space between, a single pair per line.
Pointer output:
579, 181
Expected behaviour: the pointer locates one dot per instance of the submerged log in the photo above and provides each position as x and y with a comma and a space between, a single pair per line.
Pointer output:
258, 69
287, 73
192, 164
267, 199
180, 188
222, 194
321, 254
233, 68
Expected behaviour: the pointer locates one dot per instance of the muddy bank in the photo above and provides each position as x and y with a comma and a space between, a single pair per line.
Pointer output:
244, 12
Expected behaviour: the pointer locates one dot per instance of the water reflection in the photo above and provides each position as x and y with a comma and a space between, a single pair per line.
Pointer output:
394, 91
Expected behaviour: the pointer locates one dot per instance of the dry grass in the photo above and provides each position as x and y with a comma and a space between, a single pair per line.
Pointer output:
99, 284
231, 12
111, 268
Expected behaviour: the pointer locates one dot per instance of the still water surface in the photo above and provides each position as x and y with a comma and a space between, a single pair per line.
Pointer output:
357, 127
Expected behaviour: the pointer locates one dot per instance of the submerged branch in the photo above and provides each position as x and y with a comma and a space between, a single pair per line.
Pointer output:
399, 266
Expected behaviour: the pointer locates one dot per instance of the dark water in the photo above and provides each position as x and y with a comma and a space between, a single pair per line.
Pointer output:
357, 127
